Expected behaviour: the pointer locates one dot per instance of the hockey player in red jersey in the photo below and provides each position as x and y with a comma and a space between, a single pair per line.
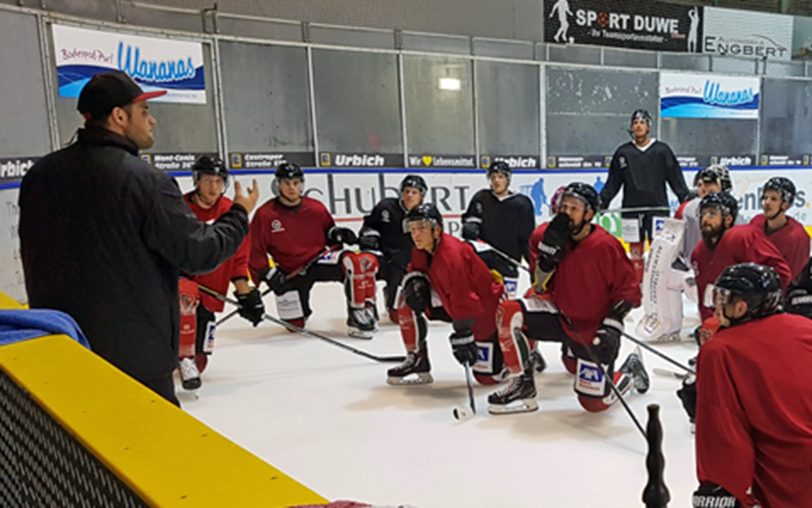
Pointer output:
724, 244
207, 202
446, 281
293, 229
786, 233
754, 400
584, 285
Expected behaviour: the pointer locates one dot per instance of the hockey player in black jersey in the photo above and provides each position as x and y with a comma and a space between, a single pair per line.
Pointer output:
642, 167
503, 219
799, 294
383, 233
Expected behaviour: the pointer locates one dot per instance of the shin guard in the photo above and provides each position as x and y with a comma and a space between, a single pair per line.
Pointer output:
514, 344
413, 328
189, 300
636, 252
359, 278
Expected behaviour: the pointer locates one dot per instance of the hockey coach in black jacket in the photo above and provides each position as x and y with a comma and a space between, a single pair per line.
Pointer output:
104, 234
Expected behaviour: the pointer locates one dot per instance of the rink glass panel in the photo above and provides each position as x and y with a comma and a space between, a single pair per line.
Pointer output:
357, 101
438, 121
588, 110
25, 131
786, 115
266, 97
508, 101
179, 128
709, 136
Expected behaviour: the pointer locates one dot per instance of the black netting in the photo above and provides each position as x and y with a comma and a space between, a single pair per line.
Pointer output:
41, 464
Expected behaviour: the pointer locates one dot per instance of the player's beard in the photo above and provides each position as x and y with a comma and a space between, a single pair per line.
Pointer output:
712, 235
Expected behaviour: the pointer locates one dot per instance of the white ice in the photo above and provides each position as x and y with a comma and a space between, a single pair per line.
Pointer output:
327, 418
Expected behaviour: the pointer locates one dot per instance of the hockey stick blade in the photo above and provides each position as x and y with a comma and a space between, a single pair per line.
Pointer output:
669, 373
304, 331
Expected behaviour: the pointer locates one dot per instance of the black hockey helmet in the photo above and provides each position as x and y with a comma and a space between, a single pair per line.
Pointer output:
415, 181
585, 193
209, 165
758, 285
724, 201
641, 114
783, 185
500, 167
289, 170
424, 212
715, 173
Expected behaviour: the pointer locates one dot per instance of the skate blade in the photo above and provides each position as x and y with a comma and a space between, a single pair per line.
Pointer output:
516, 407
669, 338
411, 379
360, 334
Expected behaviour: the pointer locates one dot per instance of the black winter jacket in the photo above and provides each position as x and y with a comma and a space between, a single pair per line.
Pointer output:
104, 236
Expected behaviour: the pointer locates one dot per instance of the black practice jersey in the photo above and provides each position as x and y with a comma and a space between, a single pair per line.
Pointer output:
643, 175
506, 223
386, 219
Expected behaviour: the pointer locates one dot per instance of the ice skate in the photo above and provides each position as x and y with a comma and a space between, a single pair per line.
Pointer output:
633, 366
360, 323
189, 375
518, 397
414, 371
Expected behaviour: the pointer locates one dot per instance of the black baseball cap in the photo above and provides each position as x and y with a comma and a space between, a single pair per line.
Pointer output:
108, 90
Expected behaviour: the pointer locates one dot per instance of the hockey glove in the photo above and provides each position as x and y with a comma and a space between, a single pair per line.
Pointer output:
276, 279
369, 242
251, 306
607, 338
710, 494
337, 235
470, 230
687, 394
799, 301
416, 291
464, 347
551, 251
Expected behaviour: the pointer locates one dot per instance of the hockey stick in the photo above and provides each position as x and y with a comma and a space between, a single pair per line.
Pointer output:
661, 355
505, 256
301, 271
461, 413
305, 331
669, 373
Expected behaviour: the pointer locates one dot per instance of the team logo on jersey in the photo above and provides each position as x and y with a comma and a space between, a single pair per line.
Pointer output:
478, 207
276, 226
622, 162
386, 216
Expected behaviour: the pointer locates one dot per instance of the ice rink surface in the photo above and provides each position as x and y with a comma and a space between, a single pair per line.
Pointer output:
326, 417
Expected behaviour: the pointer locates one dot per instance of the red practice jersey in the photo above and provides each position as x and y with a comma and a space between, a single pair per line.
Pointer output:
463, 282
292, 236
234, 267
594, 274
739, 244
754, 411
791, 240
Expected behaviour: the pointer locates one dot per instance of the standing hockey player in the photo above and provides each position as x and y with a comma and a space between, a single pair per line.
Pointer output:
584, 285
384, 234
799, 294
754, 400
642, 167
786, 233
294, 229
503, 219
667, 273
724, 244
207, 202
447, 281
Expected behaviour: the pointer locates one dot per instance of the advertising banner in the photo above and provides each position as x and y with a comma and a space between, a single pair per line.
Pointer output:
708, 96
731, 32
639, 24
154, 63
